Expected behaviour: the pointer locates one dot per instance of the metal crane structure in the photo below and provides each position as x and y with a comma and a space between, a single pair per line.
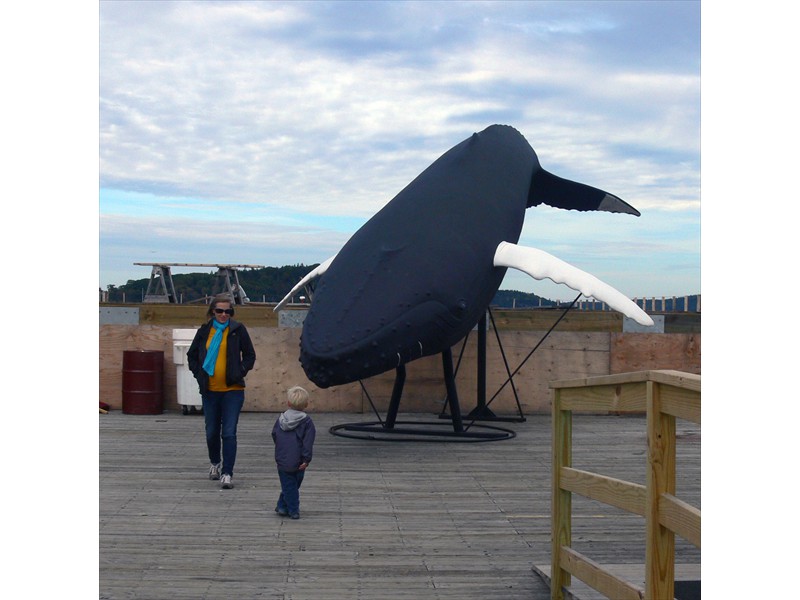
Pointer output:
161, 289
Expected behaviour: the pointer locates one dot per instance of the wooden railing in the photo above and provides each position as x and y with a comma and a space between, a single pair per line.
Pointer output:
663, 395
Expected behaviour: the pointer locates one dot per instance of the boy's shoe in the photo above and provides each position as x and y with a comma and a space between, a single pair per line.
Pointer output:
213, 473
226, 482
295, 515
281, 512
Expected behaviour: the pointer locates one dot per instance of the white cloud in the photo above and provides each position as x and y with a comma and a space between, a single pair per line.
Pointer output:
330, 109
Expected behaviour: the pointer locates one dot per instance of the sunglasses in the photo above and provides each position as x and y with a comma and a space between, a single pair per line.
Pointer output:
227, 311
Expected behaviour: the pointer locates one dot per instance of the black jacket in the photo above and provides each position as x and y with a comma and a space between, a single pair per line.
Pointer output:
294, 445
241, 356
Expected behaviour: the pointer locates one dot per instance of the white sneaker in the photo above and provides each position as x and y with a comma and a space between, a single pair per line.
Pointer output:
226, 482
213, 473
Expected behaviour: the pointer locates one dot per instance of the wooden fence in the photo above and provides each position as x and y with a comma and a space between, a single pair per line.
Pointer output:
664, 395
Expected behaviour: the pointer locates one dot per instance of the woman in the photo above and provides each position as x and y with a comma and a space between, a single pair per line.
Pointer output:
220, 356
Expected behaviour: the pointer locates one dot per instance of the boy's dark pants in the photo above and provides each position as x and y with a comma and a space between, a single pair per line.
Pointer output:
289, 500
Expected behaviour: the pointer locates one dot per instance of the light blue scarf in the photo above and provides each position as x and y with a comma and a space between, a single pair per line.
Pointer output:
213, 349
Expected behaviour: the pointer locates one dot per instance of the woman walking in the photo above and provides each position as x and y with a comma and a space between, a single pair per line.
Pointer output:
220, 356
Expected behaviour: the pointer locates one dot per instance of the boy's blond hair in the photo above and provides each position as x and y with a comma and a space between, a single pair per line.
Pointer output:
298, 397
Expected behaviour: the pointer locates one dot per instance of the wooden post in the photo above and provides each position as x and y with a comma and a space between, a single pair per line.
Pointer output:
660, 552
562, 499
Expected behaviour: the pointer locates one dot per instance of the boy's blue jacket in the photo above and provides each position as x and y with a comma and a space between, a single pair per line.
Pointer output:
293, 434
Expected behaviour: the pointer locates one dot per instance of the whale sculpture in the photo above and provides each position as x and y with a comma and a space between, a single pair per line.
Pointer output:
417, 277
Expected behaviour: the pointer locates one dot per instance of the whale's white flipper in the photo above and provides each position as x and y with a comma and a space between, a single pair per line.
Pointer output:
541, 265
321, 268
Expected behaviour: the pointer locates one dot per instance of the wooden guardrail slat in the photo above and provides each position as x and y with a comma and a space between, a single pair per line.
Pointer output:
681, 517
684, 404
615, 492
594, 575
611, 398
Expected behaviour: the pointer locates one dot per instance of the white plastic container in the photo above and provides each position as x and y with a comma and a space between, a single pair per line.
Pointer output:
188, 393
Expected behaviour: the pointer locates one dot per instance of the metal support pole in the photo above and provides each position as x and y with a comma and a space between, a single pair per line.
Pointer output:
397, 392
482, 362
481, 411
452, 394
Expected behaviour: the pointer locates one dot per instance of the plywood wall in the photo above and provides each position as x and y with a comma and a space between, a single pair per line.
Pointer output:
563, 355
646, 351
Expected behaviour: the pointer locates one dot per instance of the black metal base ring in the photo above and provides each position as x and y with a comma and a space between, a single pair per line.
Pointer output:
422, 431
475, 416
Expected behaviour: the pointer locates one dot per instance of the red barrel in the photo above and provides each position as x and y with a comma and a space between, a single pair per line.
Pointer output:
142, 382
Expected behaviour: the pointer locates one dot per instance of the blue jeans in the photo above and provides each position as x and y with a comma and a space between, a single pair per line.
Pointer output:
289, 500
221, 411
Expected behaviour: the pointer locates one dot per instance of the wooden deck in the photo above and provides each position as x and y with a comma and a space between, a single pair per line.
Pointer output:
380, 520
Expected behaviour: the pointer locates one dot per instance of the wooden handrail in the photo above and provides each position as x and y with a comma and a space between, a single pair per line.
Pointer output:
664, 396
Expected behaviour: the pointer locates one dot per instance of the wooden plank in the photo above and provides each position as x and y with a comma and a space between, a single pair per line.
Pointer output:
681, 403
539, 320
599, 578
679, 379
617, 398
384, 521
561, 503
631, 352
193, 315
631, 572
609, 490
681, 517
544, 319
660, 541
602, 380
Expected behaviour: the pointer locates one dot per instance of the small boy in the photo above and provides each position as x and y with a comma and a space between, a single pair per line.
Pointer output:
293, 434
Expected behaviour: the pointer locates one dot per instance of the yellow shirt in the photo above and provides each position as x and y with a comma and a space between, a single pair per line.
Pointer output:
216, 382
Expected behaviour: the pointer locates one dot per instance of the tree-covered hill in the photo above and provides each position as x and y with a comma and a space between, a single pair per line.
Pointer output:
269, 284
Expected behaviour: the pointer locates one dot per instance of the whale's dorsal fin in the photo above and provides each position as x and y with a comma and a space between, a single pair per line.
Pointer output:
541, 265
310, 276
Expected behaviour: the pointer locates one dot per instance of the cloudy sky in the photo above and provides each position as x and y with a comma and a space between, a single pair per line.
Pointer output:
268, 133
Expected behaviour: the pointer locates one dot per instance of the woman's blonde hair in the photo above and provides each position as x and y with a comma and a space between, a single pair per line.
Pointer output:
298, 397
